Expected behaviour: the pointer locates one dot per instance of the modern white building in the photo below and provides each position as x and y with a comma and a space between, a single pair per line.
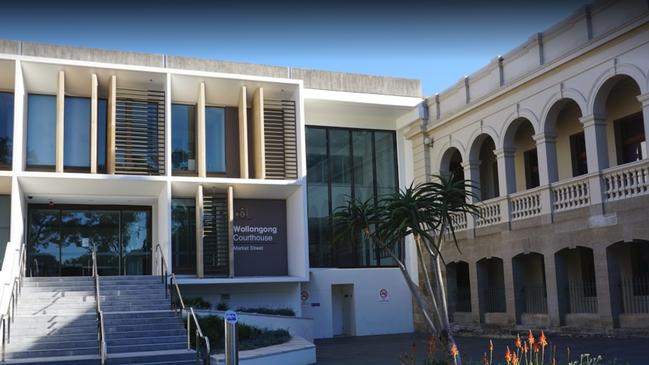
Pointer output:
232, 172
232, 169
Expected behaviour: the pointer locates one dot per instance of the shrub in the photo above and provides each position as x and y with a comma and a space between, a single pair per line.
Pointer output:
249, 337
222, 306
197, 303
273, 311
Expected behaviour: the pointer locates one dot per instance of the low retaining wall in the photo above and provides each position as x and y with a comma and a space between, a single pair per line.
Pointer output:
297, 351
296, 326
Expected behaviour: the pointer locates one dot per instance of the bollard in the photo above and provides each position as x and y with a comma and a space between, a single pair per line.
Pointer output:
231, 338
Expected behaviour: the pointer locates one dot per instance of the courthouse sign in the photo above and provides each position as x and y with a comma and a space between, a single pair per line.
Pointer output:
259, 237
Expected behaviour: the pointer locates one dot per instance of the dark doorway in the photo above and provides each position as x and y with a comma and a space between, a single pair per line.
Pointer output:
61, 240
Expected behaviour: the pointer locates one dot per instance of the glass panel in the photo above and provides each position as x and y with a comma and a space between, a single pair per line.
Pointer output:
102, 125
81, 232
183, 137
41, 131
76, 136
136, 246
386, 166
183, 236
364, 186
318, 197
43, 240
341, 186
6, 127
215, 139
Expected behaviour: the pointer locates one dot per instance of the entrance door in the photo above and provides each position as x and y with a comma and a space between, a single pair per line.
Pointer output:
342, 305
61, 240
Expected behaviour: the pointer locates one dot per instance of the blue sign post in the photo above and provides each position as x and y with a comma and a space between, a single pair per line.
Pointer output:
231, 342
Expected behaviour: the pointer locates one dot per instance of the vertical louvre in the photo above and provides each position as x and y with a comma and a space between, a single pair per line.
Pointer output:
280, 139
139, 132
215, 235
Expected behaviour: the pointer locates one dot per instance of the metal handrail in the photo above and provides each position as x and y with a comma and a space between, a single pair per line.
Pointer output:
101, 336
172, 286
16, 287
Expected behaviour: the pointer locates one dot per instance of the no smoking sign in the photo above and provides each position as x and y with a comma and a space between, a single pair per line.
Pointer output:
384, 295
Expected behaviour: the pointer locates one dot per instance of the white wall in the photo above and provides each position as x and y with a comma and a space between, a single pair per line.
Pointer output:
269, 295
372, 316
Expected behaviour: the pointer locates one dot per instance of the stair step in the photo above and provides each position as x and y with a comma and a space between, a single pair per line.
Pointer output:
52, 337
139, 334
58, 360
149, 347
153, 357
49, 353
141, 314
38, 345
112, 328
151, 339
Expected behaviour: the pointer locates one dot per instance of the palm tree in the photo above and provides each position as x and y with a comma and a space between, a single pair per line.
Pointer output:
426, 212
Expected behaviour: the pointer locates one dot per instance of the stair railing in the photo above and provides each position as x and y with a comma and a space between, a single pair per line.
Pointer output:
172, 291
101, 336
16, 287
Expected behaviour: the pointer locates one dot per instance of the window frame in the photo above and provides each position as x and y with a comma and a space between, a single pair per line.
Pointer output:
40, 168
194, 172
78, 168
377, 253
9, 166
225, 172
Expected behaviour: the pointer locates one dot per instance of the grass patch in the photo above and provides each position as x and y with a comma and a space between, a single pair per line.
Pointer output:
273, 311
250, 337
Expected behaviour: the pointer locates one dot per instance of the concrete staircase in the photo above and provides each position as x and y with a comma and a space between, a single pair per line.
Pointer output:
56, 323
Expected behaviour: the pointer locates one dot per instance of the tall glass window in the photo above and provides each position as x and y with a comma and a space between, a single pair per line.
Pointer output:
41, 132
6, 129
345, 164
183, 236
102, 125
76, 135
215, 140
183, 136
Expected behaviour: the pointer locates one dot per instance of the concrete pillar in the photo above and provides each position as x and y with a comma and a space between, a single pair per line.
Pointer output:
551, 289
230, 230
472, 173
199, 232
596, 143
510, 294
93, 124
644, 100
60, 105
258, 147
605, 307
112, 105
547, 155
243, 134
201, 164
475, 293
506, 170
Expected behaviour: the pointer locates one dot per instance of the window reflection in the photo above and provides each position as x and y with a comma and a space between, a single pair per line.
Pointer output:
183, 138
41, 132
6, 129
215, 139
76, 136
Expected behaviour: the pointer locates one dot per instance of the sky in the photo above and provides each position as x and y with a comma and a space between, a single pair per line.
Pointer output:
437, 42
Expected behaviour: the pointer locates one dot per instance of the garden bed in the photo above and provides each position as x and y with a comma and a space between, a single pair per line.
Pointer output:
250, 337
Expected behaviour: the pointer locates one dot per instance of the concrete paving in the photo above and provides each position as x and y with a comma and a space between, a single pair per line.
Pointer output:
387, 349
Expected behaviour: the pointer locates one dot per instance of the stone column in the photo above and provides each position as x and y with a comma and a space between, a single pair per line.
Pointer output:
506, 170
472, 173
93, 124
201, 165
602, 284
475, 292
644, 100
546, 152
243, 134
510, 293
551, 289
60, 129
597, 155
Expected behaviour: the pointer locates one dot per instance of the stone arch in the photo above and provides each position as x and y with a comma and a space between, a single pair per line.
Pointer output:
551, 105
513, 118
484, 166
451, 163
564, 133
443, 148
576, 284
628, 270
604, 83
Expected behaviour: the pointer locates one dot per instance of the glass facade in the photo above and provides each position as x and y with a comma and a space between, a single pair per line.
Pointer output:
343, 164
76, 136
183, 236
61, 240
183, 138
102, 130
41, 132
215, 140
6, 129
